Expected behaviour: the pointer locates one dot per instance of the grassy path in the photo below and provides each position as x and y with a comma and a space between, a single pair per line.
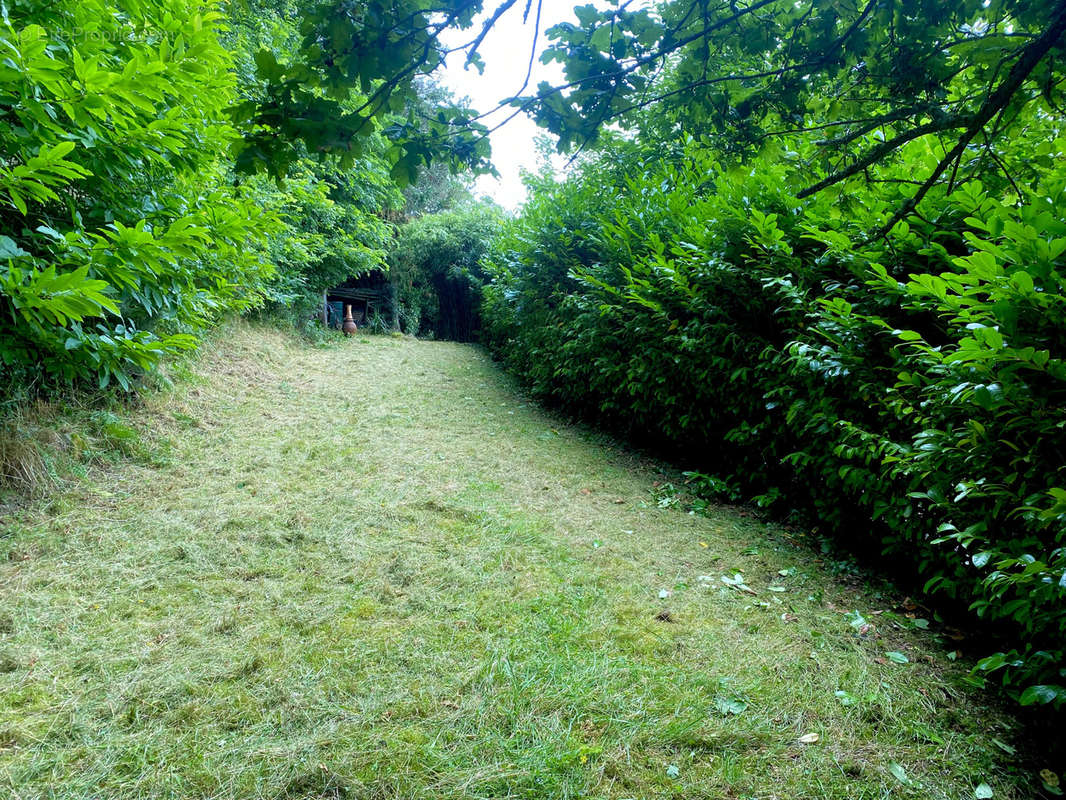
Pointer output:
374, 571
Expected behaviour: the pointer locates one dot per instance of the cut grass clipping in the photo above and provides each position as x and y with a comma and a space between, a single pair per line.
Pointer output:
373, 570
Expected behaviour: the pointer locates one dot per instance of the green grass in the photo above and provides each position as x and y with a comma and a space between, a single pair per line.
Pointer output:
373, 570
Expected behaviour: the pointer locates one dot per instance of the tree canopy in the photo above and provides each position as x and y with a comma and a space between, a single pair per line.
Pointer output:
861, 78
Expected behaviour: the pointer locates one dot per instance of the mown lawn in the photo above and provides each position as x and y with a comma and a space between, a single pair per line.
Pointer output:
372, 570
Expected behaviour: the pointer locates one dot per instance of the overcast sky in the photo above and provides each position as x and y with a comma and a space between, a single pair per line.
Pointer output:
505, 52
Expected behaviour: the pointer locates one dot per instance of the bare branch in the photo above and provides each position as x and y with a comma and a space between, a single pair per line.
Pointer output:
499, 12
877, 153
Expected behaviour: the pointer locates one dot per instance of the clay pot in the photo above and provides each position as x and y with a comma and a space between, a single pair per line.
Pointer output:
349, 327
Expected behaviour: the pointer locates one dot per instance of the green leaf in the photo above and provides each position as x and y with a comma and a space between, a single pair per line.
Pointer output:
1042, 695
1006, 748
897, 657
983, 792
1024, 282
58, 151
983, 397
846, 698
9, 249
899, 773
728, 705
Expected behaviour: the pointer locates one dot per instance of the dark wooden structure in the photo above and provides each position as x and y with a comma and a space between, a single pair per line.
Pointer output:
368, 295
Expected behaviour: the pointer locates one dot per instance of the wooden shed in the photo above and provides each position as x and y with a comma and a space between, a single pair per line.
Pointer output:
369, 295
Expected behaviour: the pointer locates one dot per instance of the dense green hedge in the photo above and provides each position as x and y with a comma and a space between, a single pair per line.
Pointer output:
435, 265
908, 394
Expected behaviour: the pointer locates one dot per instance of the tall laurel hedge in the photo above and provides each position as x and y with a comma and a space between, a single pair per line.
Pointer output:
907, 394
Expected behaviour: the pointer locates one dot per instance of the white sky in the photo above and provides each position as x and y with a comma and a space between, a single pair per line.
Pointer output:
505, 52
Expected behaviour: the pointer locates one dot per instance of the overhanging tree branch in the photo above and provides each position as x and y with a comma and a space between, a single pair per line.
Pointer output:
998, 100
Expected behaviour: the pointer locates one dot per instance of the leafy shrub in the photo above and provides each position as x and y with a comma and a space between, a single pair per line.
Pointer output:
331, 230
122, 235
907, 394
126, 233
435, 264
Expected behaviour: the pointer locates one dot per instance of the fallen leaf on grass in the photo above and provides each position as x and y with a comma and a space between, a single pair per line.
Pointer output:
899, 773
586, 491
737, 582
704, 544
808, 738
859, 623
897, 657
730, 705
786, 617
983, 792
846, 698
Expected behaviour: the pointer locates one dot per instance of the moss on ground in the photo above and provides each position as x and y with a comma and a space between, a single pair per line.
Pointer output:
373, 570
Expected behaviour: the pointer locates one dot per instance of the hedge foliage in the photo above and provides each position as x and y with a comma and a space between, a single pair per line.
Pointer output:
121, 235
435, 265
908, 394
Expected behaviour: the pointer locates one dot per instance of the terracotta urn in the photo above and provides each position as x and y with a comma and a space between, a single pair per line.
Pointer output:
349, 327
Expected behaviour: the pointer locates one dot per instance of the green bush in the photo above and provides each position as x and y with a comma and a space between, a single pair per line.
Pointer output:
126, 231
435, 265
904, 394
123, 236
331, 231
